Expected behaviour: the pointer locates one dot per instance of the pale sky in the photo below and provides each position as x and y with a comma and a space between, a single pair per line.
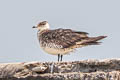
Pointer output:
18, 41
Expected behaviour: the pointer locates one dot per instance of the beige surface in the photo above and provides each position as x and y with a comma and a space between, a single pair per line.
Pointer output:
108, 69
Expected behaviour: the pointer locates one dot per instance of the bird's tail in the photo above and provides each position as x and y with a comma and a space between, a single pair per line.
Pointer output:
92, 40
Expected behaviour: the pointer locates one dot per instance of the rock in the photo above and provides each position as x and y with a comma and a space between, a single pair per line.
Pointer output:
39, 69
108, 69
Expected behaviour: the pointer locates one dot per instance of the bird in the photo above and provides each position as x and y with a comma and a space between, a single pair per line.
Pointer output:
63, 41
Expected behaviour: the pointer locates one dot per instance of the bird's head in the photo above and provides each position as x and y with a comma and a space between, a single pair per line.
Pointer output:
42, 26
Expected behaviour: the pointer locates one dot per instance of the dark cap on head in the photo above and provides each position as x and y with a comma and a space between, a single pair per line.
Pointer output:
41, 23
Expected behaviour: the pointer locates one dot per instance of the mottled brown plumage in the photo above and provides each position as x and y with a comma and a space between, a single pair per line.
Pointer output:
67, 38
63, 37
62, 41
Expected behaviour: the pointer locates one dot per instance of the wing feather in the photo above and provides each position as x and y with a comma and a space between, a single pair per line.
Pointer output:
64, 37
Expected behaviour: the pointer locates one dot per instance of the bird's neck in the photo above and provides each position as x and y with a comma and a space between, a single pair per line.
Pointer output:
42, 31
44, 28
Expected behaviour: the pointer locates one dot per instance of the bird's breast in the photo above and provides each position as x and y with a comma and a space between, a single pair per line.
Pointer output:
53, 49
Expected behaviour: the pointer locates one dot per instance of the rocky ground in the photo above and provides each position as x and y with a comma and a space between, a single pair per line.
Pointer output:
108, 69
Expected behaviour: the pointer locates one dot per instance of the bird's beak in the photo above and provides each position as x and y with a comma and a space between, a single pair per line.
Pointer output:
34, 27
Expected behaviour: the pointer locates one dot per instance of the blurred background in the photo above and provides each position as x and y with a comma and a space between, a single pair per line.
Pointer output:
18, 41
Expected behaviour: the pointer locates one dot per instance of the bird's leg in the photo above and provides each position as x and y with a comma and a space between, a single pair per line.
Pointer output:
61, 57
58, 57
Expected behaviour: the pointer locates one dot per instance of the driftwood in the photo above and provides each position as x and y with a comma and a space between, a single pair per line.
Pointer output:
108, 69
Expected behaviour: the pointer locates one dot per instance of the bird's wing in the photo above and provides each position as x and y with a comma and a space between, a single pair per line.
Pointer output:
64, 38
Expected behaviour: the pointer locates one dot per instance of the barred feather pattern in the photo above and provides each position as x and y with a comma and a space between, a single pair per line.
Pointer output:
60, 38
62, 41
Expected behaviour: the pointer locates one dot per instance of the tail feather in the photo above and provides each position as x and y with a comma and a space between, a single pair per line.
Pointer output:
94, 39
91, 40
92, 43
